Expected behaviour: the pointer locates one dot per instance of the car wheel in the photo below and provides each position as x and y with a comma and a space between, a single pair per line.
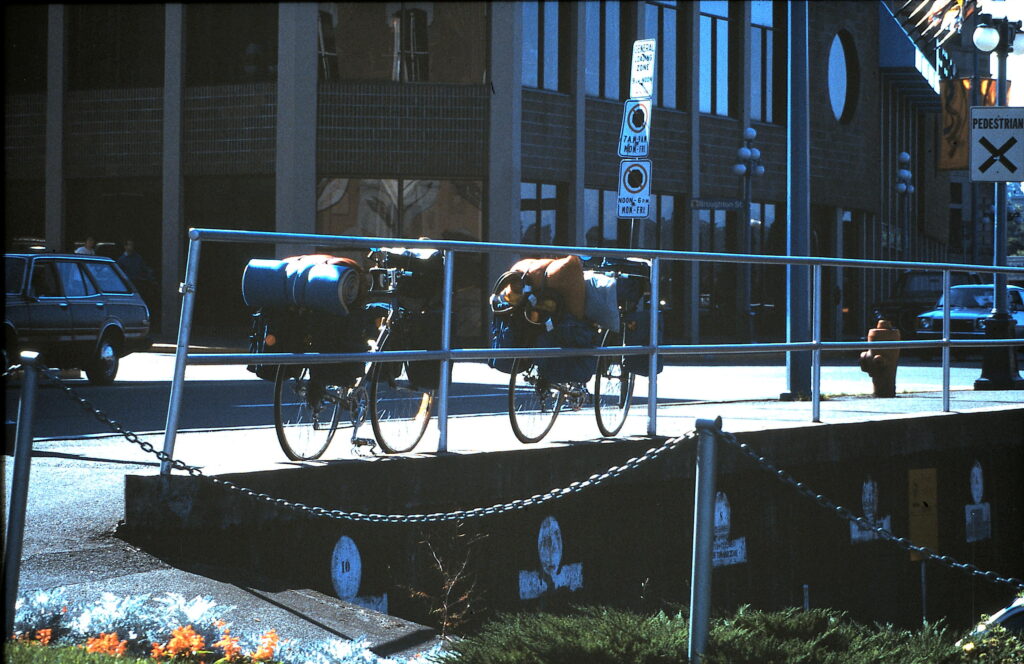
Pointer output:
103, 367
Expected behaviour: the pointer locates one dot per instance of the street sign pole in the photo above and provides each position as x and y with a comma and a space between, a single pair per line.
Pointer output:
997, 155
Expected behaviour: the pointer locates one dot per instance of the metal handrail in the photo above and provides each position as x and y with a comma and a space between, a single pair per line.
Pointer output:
447, 355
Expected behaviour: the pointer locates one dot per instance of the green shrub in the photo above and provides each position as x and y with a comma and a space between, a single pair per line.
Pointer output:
791, 636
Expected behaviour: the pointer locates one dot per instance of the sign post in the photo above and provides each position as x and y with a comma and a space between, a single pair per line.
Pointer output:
634, 200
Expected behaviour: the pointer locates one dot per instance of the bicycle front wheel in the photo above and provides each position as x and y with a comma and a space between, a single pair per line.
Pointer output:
533, 402
305, 415
399, 410
613, 389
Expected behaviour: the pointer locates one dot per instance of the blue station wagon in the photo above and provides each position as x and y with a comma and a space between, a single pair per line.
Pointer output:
969, 310
79, 312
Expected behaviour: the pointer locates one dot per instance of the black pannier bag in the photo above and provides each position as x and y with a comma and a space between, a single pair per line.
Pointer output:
424, 333
567, 331
638, 333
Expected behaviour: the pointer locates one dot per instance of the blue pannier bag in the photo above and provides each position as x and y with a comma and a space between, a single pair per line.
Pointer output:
568, 332
504, 335
638, 333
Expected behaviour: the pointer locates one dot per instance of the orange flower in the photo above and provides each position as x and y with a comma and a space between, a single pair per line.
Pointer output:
185, 641
229, 644
107, 644
268, 643
44, 636
159, 650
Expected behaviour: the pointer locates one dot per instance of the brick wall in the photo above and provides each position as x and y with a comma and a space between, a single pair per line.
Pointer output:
547, 139
113, 133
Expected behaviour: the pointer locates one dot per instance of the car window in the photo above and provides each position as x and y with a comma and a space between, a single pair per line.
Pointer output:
14, 274
75, 284
107, 278
1015, 297
44, 280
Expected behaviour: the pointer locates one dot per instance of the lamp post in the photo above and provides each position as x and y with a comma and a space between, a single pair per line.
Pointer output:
904, 189
747, 166
999, 367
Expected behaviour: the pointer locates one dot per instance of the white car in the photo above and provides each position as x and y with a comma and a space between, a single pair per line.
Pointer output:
1010, 618
969, 309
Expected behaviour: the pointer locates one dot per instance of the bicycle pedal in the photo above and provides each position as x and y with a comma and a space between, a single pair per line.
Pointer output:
364, 442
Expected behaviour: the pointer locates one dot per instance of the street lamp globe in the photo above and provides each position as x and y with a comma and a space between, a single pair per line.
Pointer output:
749, 133
743, 153
739, 169
1018, 43
986, 38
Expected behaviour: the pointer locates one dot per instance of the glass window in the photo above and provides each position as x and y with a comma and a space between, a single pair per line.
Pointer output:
442, 42
604, 43
591, 218
72, 280
14, 274
714, 54
541, 44
44, 280
661, 19
762, 66
539, 213
369, 207
843, 78
107, 278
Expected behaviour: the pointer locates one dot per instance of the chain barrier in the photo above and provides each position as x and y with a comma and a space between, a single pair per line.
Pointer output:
457, 515
844, 513
538, 499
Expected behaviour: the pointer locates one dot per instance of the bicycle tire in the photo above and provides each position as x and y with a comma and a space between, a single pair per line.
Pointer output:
304, 430
399, 410
613, 388
533, 403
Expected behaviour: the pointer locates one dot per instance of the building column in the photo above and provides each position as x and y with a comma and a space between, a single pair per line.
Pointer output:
55, 226
172, 229
692, 271
504, 129
578, 65
295, 167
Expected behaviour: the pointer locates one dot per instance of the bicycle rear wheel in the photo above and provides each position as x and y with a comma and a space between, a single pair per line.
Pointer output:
399, 410
533, 402
305, 415
613, 388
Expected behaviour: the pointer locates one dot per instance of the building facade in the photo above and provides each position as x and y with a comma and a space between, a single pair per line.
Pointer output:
484, 121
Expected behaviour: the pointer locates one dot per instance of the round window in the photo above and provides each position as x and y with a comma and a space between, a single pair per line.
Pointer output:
842, 77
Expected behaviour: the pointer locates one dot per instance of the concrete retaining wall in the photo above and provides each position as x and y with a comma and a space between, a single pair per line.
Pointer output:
628, 542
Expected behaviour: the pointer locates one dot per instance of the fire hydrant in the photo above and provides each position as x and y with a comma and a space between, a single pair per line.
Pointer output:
881, 364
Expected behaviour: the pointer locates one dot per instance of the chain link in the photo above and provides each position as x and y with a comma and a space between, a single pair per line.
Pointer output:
538, 499
457, 515
844, 513
51, 376
11, 370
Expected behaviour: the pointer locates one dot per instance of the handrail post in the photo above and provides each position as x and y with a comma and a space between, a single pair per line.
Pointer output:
446, 338
816, 353
703, 536
188, 291
945, 340
652, 381
19, 488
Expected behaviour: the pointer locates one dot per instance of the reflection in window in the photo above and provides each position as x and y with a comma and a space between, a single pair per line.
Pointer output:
763, 240
603, 44
661, 18
539, 213
714, 57
411, 59
714, 290
441, 42
327, 53
540, 44
600, 219
762, 52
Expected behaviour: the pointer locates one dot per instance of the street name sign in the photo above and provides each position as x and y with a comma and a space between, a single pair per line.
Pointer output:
634, 188
997, 144
641, 75
715, 204
635, 135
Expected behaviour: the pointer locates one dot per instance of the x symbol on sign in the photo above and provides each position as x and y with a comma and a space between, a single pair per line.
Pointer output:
997, 154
